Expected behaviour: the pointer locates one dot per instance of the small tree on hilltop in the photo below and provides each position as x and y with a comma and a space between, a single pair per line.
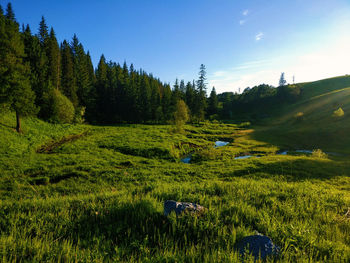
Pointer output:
181, 115
282, 81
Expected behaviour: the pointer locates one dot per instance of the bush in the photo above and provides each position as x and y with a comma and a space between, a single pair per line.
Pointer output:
181, 115
338, 113
299, 116
79, 115
318, 153
62, 107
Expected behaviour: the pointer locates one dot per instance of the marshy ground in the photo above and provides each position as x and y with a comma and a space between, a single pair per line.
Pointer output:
89, 193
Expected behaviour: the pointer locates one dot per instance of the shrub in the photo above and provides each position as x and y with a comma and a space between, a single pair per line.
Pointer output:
63, 109
318, 153
299, 116
79, 115
338, 113
181, 115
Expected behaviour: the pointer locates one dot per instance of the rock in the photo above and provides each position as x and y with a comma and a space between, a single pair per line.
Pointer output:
258, 245
180, 207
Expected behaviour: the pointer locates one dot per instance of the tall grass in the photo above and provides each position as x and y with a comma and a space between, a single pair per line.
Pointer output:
91, 200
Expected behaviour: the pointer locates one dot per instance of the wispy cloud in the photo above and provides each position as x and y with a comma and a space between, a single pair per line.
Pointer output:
259, 36
254, 64
242, 22
219, 74
245, 12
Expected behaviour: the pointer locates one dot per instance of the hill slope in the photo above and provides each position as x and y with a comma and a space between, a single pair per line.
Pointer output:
310, 123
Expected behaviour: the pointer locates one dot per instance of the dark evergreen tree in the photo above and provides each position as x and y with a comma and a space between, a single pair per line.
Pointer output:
213, 102
101, 90
201, 100
15, 86
176, 94
81, 71
43, 34
68, 81
54, 60
166, 103
182, 89
90, 100
37, 60
146, 98
190, 97
10, 15
282, 81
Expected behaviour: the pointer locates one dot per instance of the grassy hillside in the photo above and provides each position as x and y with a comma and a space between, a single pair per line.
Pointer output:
94, 194
310, 123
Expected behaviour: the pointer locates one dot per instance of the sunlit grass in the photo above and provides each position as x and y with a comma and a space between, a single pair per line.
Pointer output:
100, 198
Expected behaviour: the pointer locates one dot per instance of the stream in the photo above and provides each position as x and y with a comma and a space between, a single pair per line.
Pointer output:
187, 158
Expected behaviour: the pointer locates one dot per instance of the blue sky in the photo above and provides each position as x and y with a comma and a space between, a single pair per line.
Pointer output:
242, 43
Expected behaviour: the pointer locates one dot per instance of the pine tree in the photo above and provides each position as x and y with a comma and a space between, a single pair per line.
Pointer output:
282, 82
81, 71
90, 112
68, 81
201, 100
145, 98
201, 82
133, 97
10, 15
213, 103
14, 73
101, 89
166, 103
190, 97
54, 60
43, 34
182, 89
37, 60
176, 94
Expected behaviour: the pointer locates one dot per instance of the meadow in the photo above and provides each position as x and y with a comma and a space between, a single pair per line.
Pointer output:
81, 193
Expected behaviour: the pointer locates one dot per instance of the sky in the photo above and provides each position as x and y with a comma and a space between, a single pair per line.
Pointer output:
242, 43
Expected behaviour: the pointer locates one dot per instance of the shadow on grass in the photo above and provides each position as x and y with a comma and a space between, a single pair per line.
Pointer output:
296, 170
308, 137
139, 228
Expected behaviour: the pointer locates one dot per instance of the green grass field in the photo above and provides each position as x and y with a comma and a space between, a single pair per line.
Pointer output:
95, 194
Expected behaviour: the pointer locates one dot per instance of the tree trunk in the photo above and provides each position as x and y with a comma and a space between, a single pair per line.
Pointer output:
18, 127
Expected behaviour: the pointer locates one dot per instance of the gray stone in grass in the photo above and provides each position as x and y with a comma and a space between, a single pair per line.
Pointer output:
259, 246
179, 207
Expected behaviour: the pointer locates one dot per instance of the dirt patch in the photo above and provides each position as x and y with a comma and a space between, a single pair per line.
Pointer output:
50, 147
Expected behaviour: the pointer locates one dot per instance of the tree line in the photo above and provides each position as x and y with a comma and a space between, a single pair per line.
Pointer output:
257, 102
58, 83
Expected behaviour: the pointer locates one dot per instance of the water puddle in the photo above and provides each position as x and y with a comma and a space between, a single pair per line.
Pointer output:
243, 157
187, 159
220, 144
